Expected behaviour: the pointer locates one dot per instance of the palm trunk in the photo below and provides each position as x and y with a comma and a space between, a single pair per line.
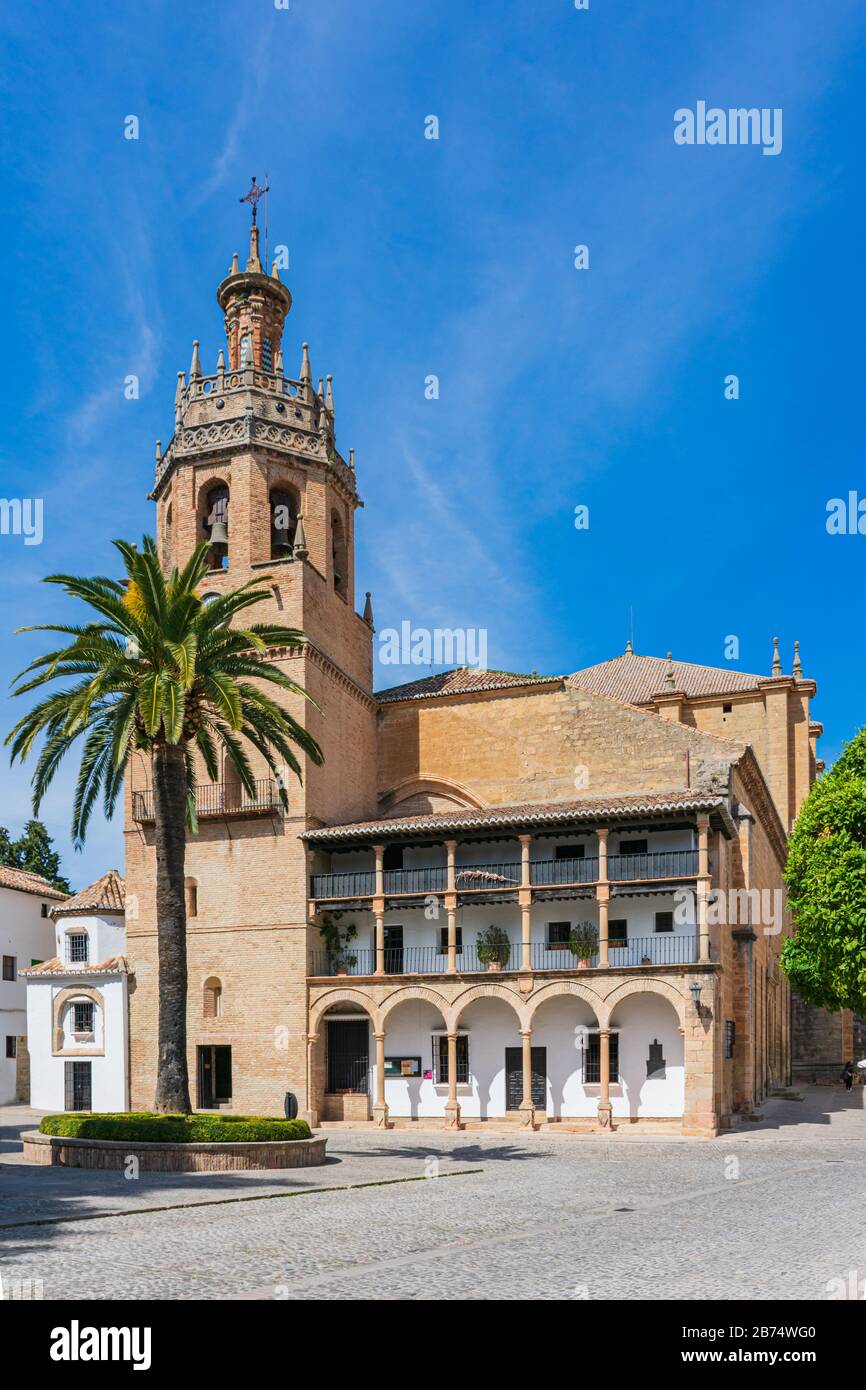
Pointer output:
169, 795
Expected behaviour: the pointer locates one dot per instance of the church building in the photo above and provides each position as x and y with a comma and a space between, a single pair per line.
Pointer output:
502, 898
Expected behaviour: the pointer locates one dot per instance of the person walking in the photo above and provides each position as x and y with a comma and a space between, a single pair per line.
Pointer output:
847, 1075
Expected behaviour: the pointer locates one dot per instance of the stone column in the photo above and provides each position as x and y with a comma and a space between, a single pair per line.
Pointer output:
311, 1114
525, 899
452, 1105
602, 897
380, 1109
379, 908
605, 1109
451, 904
527, 1108
703, 887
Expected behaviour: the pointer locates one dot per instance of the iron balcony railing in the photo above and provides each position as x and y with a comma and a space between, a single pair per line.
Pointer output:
429, 880
672, 863
548, 872
359, 884
470, 877
665, 948
218, 799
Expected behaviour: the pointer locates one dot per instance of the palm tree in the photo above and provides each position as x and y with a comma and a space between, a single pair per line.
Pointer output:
160, 671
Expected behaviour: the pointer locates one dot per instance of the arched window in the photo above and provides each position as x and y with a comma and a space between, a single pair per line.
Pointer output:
338, 553
215, 524
191, 897
212, 1006
284, 519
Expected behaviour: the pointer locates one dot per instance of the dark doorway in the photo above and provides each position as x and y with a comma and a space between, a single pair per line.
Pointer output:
79, 1094
393, 950
514, 1078
348, 1056
214, 1077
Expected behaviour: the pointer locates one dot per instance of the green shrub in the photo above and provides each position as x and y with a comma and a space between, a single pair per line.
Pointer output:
145, 1127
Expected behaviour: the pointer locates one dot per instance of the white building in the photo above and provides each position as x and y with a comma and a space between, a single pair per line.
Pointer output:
26, 938
77, 1005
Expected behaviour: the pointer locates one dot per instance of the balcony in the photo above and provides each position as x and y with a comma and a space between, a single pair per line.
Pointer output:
476, 879
665, 948
218, 799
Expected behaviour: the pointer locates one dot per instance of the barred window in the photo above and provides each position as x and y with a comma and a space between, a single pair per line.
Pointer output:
82, 1016
77, 948
440, 1059
592, 1059
267, 355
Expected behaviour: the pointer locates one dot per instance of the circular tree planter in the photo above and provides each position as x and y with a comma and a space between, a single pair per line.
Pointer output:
60, 1150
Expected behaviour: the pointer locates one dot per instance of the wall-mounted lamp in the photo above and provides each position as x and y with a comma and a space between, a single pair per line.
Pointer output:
696, 994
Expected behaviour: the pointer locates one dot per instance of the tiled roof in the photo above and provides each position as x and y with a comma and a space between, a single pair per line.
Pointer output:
636, 679
461, 681
107, 894
539, 813
27, 882
114, 965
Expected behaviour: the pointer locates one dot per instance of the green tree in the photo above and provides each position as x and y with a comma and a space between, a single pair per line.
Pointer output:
826, 876
33, 851
159, 671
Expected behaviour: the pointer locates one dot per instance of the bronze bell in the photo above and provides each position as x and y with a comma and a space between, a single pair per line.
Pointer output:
282, 540
219, 534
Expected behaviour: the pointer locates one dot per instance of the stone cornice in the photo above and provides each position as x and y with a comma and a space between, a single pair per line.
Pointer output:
324, 662
756, 786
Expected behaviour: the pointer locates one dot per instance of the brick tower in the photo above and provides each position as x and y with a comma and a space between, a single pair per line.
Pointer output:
253, 468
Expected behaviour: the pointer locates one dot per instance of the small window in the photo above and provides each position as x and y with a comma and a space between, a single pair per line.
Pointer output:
82, 1016
664, 921
730, 1038
443, 940
191, 898
633, 846
617, 931
10, 971
77, 948
558, 934
44, 911
11, 1047
440, 1059
246, 350
212, 1004
569, 851
592, 1065
726, 709
267, 355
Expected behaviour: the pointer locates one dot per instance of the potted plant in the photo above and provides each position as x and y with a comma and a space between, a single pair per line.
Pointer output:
494, 948
583, 943
336, 941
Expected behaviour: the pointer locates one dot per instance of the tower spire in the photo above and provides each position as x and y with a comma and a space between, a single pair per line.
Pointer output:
255, 303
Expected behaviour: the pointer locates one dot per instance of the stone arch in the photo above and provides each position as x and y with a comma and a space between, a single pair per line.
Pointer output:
284, 506
647, 985
67, 996
214, 497
421, 992
556, 989
420, 795
342, 996
486, 991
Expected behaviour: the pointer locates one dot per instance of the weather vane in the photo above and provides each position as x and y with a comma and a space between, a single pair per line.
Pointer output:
255, 192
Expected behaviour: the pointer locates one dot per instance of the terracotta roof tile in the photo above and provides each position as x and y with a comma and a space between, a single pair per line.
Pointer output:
26, 882
107, 894
114, 965
461, 681
636, 679
538, 813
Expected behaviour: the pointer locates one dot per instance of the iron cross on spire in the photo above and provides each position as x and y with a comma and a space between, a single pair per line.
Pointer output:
255, 192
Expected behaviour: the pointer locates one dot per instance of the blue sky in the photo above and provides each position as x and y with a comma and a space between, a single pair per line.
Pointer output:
454, 257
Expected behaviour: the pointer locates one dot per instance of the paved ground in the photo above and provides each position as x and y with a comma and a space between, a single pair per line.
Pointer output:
773, 1210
